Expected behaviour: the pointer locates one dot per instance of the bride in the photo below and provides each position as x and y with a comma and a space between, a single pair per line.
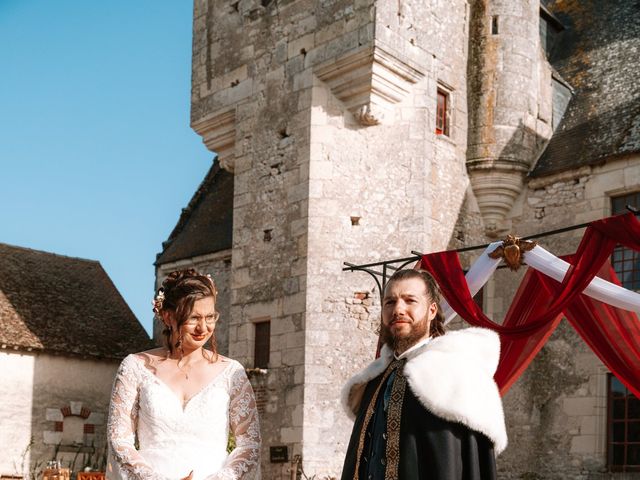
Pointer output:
172, 408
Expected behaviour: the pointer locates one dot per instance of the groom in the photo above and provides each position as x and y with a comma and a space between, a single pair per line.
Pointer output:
428, 408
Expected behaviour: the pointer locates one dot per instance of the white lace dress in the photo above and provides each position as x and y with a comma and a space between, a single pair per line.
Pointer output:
173, 439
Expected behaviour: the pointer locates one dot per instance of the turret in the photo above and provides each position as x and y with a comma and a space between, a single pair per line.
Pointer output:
508, 123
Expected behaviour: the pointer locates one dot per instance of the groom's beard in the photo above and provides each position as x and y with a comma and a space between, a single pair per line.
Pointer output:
401, 342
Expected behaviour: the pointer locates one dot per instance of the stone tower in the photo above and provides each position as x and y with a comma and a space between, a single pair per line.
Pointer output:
325, 113
510, 112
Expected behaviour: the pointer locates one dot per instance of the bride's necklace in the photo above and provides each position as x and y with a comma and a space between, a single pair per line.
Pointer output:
184, 371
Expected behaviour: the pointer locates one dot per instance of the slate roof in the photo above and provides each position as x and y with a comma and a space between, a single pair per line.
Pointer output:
206, 225
63, 305
598, 54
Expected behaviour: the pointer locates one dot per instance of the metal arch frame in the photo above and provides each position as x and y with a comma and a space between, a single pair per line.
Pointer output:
388, 264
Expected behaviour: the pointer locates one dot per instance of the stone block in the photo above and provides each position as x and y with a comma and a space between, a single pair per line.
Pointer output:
276, 75
322, 170
318, 114
52, 438
316, 189
275, 359
96, 418
318, 337
297, 193
297, 416
241, 278
282, 325
303, 80
301, 46
584, 444
295, 339
76, 408
54, 415
588, 425
294, 395
328, 33
318, 374
294, 304
240, 91
632, 175
579, 406
313, 436
600, 184
293, 356
291, 434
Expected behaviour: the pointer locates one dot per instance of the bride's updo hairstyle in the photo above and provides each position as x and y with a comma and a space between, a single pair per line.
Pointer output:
178, 293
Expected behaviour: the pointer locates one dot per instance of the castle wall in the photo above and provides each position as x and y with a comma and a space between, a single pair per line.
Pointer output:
325, 112
37, 387
557, 411
375, 193
314, 187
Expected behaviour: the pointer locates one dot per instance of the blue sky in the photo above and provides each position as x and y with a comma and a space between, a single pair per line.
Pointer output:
96, 154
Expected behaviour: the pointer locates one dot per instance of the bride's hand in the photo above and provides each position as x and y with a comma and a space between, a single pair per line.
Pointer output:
188, 477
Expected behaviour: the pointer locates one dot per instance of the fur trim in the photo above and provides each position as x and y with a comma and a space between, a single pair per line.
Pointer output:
351, 393
452, 378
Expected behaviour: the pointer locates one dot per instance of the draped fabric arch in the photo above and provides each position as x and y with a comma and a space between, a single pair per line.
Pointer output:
608, 323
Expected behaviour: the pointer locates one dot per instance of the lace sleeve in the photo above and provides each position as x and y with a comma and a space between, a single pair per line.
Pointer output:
244, 461
126, 463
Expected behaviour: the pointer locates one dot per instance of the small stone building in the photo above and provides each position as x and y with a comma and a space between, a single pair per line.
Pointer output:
64, 327
360, 131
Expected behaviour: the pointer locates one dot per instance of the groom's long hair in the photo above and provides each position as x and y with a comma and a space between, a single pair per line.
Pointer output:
436, 329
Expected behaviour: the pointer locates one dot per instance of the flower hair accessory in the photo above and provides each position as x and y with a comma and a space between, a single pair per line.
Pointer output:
213, 284
158, 301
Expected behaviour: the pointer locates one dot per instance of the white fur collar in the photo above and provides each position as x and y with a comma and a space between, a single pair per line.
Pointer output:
452, 377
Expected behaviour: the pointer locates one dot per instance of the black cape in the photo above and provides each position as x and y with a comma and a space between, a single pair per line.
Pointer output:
431, 448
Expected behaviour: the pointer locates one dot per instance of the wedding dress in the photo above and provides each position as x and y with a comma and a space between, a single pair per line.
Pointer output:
174, 439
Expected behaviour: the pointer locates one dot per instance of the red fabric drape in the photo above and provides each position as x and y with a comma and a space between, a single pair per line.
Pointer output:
516, 353
612, 333
540, 303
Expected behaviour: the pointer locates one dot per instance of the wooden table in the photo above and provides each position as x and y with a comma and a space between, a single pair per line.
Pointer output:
56, 474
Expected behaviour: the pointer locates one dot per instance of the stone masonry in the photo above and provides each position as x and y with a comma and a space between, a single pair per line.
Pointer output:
325, 111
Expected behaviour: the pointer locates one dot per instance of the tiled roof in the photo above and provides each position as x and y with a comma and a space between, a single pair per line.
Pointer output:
63, 305
205, 226
599, 56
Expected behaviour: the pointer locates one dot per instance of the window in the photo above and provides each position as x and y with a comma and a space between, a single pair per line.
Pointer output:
262, 344
626, 262
442, 113
623, 428
550, 29
494, 25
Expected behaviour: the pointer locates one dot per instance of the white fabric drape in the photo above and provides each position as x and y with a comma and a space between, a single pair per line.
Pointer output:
552, 266
479, 274
607, 292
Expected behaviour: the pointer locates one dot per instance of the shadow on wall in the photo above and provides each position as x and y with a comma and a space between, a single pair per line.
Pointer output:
69, 411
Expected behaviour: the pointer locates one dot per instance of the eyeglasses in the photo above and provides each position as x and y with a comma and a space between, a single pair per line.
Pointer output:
197, 319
